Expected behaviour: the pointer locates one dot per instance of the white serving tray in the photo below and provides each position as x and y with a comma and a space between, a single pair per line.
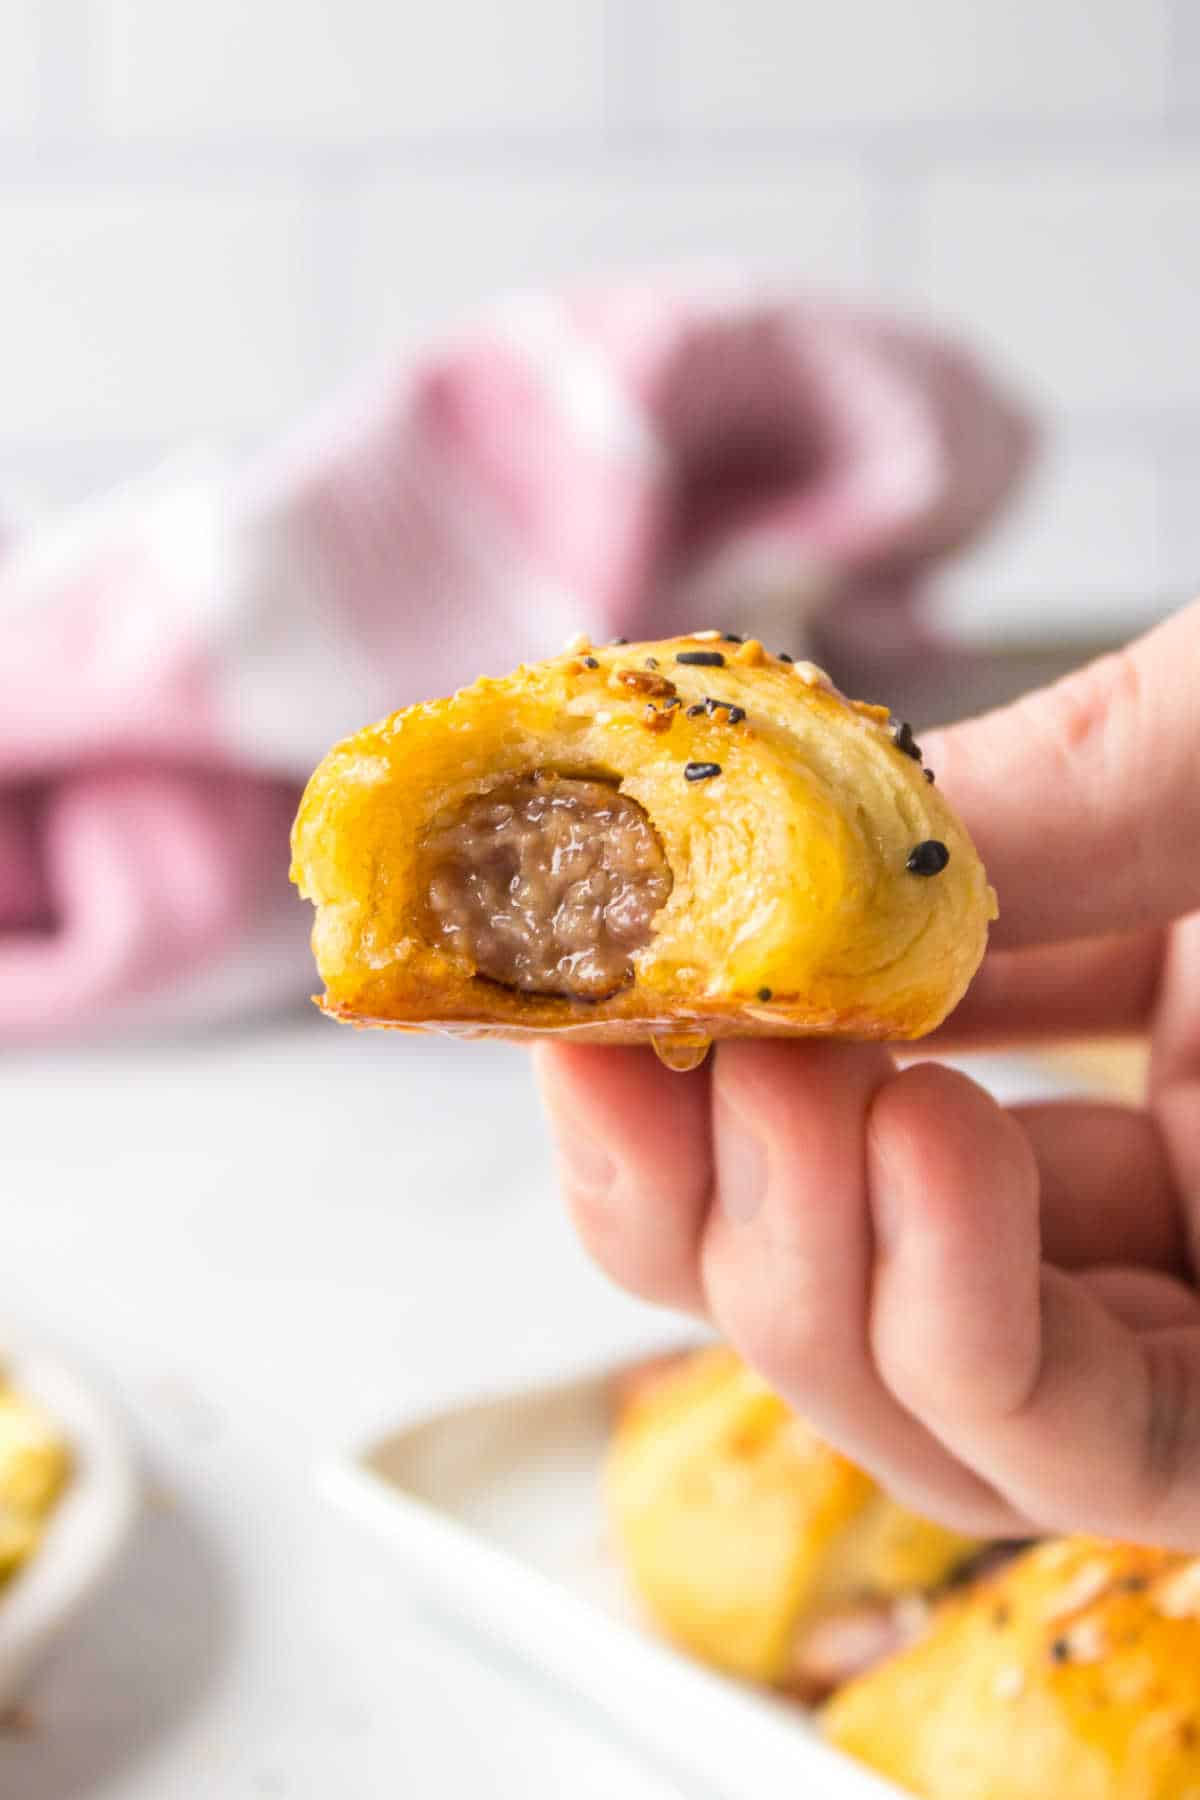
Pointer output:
494, 1509
89, 1524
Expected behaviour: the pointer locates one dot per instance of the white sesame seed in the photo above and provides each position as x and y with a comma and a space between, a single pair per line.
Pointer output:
1083, 1587
1009, 1682
1085, 1642
706, 637
574, 645
1179, 1596
603, 718
912, 1614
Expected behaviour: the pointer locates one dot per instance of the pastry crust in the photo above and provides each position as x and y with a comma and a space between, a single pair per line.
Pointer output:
792, 908
35, 1465
1075, 1671
743, 1531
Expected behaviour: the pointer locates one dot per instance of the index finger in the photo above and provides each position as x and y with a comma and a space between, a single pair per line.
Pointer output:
634, 1150
1082, 798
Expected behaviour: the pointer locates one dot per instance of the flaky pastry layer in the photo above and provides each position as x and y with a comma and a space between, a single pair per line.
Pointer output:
820, 884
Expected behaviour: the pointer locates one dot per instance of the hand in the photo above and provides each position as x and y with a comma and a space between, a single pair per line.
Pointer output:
993, 1310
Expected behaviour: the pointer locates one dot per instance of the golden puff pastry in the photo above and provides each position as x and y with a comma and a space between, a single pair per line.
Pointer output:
1073, 1672
752, 1543
34, 1466
665, 842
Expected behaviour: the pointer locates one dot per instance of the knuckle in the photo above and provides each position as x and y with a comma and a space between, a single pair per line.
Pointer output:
1082, 707
1097, 725
1068, 729
944, 1386
906, 1374
780, 1328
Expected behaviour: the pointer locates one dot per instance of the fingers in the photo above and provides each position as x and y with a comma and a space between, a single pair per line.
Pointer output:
634, 1155
954, 1196
1142, 1298
1082, 798
1108, 1191
787, 1255
1175, 1070
1176, 1048
1060, 990
872, 1242
1080, 1419
1108, 1439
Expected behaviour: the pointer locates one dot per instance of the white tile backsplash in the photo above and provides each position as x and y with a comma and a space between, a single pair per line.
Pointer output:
20, 66
350, 70
788, 63
1182, 520
1087, 538
207, 211
425, 247
1085, 278
143, 309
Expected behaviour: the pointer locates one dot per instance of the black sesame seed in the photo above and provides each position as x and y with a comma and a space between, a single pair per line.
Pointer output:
701, 659
701, 771
731, 637
589, 662
902, 737
735, 713
928, 774
1060, 1650
764, 993
617, 642
784, 657
694, 712
927, 858
652, 662
674, 701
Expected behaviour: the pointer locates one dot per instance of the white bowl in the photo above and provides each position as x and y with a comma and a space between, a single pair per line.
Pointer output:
89, 1525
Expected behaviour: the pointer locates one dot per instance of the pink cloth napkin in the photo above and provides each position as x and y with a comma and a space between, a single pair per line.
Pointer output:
174, 659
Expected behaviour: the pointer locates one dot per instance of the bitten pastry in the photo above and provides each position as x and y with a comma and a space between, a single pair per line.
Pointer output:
753, 1543
1073, 1672
666, 842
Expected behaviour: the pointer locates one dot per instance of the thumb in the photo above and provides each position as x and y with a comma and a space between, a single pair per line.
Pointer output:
1084, 797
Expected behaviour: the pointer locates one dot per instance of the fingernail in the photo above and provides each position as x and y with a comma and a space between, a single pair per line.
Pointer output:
741, 1164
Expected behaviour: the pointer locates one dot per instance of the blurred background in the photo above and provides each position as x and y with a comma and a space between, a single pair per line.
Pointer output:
270, 1239
211, 214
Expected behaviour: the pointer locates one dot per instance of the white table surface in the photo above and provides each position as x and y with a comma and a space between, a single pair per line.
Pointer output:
269, 1245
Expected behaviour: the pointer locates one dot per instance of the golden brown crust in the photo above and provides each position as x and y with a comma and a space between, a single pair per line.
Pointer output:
35, 1465
741, 1529
1075, 1671
792, 910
